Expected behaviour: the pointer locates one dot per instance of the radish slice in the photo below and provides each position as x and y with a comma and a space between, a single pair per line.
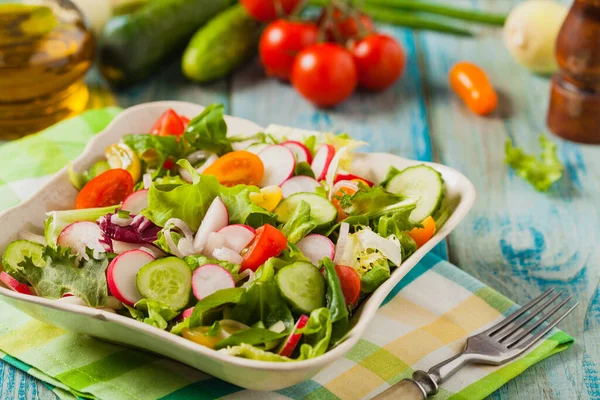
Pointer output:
316, 247
322, 160
216, 217
210, 278
81, 235
347, 176
279, 163
299, 184
292, 341
215, 241
225, 254
237, 237
136, 202
342, 242
121, 275
11, 283
186, 313
299, 149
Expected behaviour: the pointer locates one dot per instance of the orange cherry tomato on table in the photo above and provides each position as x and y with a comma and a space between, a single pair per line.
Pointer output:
237, 167
268, 242
107, 189
169, 124
268, 10
380, 61
281, 41
422, 235
350, 282
347, 26
324, 74
472, 85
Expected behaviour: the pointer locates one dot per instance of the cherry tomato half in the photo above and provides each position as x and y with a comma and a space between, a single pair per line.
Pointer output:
281, 41
324, 74
350, 282
268, 242
169, 124
422, 235
379, 61
236, 168
268, 10
107, 189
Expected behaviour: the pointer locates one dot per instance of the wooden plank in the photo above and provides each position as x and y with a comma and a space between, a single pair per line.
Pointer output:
517, 240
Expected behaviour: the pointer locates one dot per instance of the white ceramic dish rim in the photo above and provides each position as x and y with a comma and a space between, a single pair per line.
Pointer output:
367, 311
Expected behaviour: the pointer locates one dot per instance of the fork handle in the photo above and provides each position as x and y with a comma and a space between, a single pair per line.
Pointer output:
406, 389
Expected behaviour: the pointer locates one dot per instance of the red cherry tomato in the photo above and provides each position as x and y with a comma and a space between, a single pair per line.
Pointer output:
281, 41
346, 26
324, 74
168, 124
185, 121
268, 242
350, 281
379, 61
267, 10
107, 189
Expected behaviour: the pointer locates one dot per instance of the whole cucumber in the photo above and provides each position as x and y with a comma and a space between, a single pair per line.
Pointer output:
134, 46
222, 45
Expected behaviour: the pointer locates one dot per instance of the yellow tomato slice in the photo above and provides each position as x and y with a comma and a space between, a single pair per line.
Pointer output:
268, 197
121, 156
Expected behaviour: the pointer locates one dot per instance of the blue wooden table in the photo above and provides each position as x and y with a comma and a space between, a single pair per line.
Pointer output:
516, 240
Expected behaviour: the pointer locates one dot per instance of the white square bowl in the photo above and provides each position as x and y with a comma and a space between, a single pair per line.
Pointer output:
58, 194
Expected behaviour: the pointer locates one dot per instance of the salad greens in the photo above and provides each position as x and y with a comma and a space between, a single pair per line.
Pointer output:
245, 253
542, 172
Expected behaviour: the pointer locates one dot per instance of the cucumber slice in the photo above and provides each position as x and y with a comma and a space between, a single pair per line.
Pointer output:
422, 182
320, 208
16, 252
168, 280
302, 285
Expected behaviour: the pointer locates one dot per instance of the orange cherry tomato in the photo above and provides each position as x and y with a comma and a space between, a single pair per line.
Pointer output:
422, 235
237, 167
350, 281
107, 189
335, 200
268, 242
472, 85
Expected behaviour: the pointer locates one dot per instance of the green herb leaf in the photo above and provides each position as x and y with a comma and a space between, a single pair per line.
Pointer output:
303, 168
542, 172
208, 131
61, 275
300, 224
214, 330
215, 300
153, 312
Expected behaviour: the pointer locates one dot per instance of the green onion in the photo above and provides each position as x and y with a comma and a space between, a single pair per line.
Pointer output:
439, 9
410, 20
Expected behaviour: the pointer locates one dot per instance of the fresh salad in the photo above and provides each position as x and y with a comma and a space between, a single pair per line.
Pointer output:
259, 247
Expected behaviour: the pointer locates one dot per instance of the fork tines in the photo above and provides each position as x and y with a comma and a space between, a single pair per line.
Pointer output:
515, 331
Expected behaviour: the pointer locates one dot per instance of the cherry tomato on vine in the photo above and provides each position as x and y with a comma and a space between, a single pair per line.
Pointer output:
379, 60
347, 26
324, 74
281, 41
267, 10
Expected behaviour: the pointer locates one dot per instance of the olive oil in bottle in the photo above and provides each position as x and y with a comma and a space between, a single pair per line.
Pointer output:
45, 51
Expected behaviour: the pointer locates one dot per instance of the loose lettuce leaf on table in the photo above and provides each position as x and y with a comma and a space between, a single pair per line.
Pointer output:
62, 274
542, 172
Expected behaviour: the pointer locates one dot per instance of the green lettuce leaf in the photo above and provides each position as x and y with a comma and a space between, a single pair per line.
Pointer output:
218, 299
153, 312
300, 224
336, 303
153, 149
242, 210
196, 261
251, 336
316, 335
262, 302
253, 353
208, 131
542, 172
61, 275
303, 168
379, 273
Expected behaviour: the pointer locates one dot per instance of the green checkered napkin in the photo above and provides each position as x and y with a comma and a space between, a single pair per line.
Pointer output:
424, 320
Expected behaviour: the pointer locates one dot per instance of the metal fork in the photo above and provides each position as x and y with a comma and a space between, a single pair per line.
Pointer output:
497, 345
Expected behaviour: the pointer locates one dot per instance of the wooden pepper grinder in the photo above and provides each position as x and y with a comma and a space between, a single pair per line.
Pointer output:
574, 110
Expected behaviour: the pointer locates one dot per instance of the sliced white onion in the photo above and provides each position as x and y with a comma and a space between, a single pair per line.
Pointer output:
390, 248
185, 175
32, 237
185, 246
194, 158
214, 241
277, 327
115, 219
181, 225
171, 244
246, 273
209, 161
225, 254
198, 156
153, 251
341, 242
147, 179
